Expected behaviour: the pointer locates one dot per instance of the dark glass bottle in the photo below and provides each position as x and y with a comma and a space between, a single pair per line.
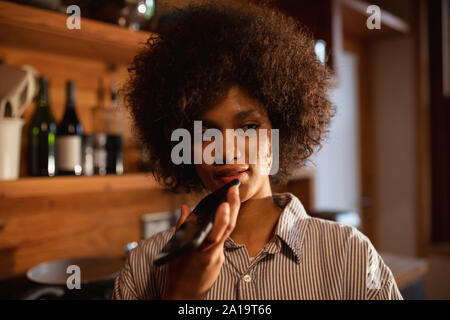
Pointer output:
114, 142
100, 123
42, 135
69, 138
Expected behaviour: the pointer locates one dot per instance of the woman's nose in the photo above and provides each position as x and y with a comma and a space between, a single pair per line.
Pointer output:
232, 151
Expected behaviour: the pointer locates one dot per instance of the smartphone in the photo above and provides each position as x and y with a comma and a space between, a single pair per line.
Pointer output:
191, 234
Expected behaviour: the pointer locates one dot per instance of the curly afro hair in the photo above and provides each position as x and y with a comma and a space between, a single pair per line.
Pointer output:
210, 47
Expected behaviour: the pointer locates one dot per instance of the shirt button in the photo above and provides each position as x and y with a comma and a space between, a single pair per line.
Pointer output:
247, 278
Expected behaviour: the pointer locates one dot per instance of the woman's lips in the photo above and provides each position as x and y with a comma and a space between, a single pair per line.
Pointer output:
226, 179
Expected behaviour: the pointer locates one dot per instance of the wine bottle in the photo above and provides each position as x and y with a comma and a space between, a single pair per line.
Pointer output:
100, 122
42, 135
69, 138
114, 143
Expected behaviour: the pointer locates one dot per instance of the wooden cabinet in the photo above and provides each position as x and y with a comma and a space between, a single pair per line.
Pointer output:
44, 219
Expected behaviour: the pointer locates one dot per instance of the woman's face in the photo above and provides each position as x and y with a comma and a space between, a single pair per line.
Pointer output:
238, 111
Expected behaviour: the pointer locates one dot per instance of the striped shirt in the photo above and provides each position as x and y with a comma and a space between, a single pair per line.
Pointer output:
308, 258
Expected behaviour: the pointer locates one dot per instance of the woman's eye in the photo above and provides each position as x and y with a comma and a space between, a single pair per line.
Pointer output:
250, 126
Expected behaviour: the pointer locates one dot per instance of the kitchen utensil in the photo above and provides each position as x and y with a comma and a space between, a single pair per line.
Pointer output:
18, 87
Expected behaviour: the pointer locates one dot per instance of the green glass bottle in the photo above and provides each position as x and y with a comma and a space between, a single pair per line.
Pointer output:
42, 135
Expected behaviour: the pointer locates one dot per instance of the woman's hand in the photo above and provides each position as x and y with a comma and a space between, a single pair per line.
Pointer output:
191, 276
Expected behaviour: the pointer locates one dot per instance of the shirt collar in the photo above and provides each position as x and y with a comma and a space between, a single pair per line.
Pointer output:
292, 223
290, 227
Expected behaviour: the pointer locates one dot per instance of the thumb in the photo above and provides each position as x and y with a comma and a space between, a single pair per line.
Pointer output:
185, 212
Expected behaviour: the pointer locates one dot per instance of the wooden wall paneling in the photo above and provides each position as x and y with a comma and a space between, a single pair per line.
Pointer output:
357, 38
47, 227
439, 129
354, 16
360, 48
423, 212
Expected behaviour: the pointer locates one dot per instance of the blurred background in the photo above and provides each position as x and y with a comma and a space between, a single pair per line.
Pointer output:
74, 184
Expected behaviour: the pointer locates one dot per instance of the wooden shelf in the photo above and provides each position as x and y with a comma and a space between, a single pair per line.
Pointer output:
44, 186
40, 186
42, 30
43, 219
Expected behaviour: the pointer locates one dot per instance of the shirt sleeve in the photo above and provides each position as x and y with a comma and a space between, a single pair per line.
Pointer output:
389, 292
124, 286
366, 276
139, 278
380, 281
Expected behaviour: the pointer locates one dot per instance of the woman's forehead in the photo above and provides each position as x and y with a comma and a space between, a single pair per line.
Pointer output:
236, 104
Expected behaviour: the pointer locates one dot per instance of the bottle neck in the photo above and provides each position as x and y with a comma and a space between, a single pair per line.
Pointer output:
43, 100
70, 95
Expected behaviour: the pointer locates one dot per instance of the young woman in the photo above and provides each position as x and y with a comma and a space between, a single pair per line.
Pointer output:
236, 66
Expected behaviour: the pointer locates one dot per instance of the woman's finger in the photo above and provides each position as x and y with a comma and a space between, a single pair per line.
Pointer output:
235, 204
221, 222
185, 212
